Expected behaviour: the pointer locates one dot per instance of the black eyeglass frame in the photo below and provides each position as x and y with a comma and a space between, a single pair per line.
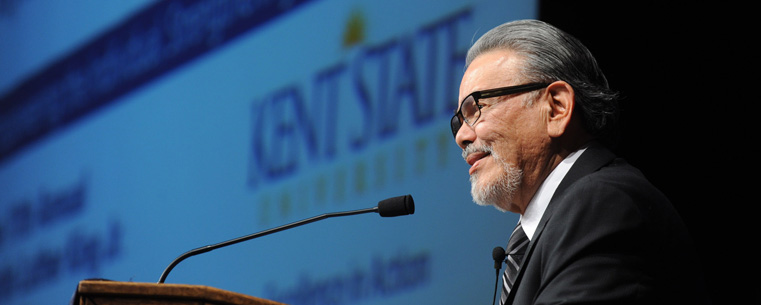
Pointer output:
458, 118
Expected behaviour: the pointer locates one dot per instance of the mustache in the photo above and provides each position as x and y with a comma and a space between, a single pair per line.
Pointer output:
472, 148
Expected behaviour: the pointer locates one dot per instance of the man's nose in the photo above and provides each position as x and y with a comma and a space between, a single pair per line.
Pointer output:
465, 135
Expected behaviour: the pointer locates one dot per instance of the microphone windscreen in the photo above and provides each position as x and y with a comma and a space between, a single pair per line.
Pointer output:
396, 206
499, 255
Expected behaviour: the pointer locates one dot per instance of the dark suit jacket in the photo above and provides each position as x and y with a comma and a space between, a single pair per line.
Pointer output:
608, 237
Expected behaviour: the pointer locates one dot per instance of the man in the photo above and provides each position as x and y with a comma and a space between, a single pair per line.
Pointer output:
535, 111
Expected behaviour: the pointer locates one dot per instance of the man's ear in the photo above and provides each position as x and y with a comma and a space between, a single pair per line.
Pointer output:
561, 104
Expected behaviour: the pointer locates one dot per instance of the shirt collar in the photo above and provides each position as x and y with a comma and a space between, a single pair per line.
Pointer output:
535, 209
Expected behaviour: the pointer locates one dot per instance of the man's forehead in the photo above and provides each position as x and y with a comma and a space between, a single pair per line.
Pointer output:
496, 68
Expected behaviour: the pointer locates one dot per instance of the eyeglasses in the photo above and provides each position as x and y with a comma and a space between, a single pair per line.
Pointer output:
470, 110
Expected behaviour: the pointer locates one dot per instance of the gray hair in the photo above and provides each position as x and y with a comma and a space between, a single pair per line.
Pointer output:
549, 55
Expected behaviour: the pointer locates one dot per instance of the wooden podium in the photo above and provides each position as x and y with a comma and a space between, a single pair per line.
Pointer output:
92, 292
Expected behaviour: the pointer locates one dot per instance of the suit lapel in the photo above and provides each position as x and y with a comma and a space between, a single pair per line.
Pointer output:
593, 158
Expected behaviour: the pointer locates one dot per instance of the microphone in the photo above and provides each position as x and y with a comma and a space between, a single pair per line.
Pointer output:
391, 207
396, 206
498, 254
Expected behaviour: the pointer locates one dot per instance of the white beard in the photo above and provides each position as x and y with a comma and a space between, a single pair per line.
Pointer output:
502, 190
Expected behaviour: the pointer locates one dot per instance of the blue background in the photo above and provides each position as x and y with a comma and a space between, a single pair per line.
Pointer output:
133, 131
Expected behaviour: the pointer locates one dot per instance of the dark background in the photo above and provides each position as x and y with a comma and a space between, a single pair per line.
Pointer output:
688, 111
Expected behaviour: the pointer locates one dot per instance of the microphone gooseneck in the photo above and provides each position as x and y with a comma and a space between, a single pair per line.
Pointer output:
498, 254
395, 206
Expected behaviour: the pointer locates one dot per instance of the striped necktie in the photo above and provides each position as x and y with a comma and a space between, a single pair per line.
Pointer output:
516, 247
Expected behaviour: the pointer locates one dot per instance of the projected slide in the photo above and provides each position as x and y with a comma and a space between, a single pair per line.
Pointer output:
134, 131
